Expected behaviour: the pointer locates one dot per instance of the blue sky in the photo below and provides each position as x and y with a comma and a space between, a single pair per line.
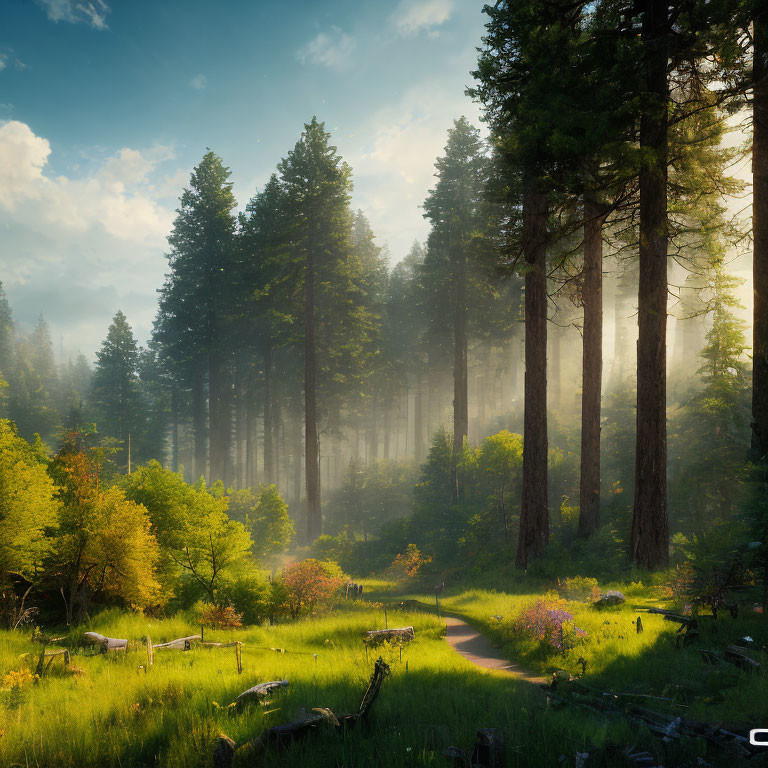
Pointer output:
106, 106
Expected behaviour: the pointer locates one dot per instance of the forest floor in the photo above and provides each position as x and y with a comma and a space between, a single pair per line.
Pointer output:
652, 668
112, 710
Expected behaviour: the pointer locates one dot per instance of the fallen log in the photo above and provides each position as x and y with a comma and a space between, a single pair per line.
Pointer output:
282, 736
737, 655
672, 616
106, 643
180, 644
260, 692
220, 645
403, 635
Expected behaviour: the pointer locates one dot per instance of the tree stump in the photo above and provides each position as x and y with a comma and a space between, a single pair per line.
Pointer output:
489, 749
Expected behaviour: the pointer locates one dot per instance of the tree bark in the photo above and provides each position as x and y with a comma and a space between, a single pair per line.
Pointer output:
534, 513
199, 426
311, 452
650, 535
760, 241
592, 369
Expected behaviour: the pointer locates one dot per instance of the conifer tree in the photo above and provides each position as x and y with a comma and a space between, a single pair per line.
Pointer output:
455, 209
195, 308
33, 385
116, 396
318, 185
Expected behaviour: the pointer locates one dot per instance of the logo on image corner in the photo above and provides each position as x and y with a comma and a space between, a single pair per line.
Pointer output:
758, 737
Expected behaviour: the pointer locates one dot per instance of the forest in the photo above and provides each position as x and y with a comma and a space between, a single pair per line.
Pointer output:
559, 388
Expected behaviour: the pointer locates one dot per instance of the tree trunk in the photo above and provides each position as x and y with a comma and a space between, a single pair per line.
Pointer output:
199, 425
650, 536
269, 427
311, 453
760, 242
534, 513
592, 369
460, 394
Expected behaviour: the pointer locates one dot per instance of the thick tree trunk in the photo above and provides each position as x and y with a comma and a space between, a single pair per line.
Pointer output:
199, 426
760, 241
269, 426
592, 369
311, 452
650, 535
534, 513
460, 394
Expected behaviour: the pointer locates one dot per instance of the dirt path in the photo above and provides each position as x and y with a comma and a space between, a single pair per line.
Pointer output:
474, 647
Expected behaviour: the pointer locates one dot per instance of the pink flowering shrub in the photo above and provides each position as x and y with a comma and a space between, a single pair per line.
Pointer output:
548, 622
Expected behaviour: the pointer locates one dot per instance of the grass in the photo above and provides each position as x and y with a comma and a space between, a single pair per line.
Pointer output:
619, 658
116, 714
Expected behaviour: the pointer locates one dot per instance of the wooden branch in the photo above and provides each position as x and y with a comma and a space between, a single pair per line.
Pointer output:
736, 655
282, 736
106, 643
260, 691
180, 644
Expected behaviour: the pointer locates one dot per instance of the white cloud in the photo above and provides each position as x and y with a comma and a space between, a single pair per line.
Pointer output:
413, 16
3, 61
198, 82
114, 198
79, 247
332, 49
92, 12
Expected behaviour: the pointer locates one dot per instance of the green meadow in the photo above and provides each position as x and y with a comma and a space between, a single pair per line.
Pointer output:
112, 710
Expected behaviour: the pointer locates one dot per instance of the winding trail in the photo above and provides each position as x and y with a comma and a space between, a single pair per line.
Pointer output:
477, 649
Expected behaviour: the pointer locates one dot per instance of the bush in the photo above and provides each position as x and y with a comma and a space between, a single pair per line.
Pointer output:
310, 585
407, 565
220, 616
249, 593
548, 622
